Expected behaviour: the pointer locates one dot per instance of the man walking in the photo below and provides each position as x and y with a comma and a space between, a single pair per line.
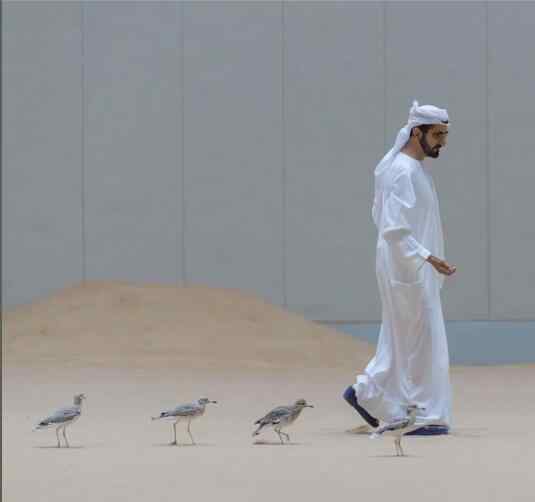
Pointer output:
411, 364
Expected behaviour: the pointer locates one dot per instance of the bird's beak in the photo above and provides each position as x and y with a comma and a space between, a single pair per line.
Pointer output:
213, 402
310, 406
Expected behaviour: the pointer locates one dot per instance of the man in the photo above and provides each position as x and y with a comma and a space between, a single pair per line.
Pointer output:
411, 364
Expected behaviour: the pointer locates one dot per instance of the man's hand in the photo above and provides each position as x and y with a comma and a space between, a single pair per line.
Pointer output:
441, 266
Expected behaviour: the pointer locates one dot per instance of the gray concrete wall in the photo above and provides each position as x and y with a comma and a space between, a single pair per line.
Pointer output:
42, 241
132, 129
233, 144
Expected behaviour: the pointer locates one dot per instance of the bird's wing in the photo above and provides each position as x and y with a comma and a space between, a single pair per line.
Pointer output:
394, 426
185, 410
61, 416
275, 415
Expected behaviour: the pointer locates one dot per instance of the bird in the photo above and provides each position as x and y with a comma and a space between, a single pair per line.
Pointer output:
400, 427
63, 417
281, 417
188, 412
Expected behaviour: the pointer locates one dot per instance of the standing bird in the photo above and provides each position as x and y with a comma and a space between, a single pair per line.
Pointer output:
186, 412
280, 417
62, 418
400, 427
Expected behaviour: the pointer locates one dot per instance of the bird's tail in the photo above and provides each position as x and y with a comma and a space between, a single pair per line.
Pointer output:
163, 414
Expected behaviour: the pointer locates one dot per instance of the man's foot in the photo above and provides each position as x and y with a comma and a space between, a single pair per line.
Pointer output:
351, 398
429, 430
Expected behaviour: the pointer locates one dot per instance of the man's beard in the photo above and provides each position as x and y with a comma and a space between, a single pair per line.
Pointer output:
429, 152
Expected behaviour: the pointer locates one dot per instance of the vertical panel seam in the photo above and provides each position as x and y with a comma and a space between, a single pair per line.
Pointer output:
385, 91
487, 164
3, 204
182, 134
82, 139
283, 153
384, 76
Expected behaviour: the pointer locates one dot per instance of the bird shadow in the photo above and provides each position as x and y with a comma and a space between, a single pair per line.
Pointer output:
396, 456
275, 443
181, 445
80, 447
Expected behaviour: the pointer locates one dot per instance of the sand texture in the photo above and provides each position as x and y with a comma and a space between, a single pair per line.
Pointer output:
137, 349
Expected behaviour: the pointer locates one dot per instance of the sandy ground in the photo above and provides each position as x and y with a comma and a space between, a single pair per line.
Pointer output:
164, 349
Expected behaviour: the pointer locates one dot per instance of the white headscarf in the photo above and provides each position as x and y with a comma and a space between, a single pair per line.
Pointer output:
418, 115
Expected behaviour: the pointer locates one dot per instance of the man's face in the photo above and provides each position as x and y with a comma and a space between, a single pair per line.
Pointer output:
434, 139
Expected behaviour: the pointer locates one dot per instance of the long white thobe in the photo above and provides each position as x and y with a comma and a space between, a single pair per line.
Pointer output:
411, 364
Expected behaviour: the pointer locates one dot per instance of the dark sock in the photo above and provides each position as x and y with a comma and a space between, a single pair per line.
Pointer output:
351, 398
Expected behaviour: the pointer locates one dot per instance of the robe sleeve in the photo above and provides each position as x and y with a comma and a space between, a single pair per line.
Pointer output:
400, 213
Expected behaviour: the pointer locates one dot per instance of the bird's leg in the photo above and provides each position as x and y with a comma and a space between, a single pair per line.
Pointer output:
65, 437
57, 436
396, 446
401, 449
287, 436
279, 434
189, 432
174, 435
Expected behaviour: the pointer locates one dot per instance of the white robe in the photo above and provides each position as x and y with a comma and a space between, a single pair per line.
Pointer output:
411, 364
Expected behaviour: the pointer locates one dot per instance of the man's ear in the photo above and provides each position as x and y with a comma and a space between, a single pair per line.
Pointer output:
417, 132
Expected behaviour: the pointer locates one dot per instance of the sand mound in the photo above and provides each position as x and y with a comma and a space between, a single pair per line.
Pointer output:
103, 323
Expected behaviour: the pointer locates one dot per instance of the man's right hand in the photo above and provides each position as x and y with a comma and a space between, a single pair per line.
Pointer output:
441, 266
